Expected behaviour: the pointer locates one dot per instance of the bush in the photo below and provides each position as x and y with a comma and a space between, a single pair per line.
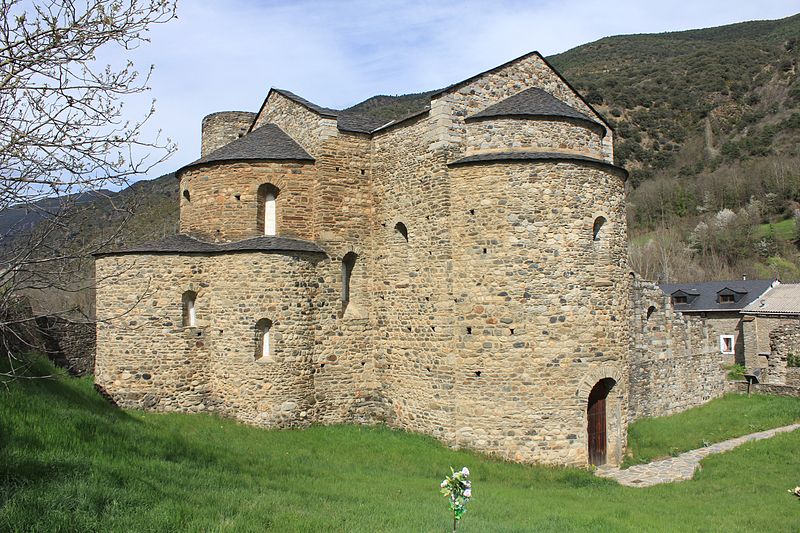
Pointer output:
735, 372
793, 360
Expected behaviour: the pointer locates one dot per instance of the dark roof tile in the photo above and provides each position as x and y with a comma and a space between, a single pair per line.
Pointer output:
182, 244
268, 142
707, 291
534, 156
533, 102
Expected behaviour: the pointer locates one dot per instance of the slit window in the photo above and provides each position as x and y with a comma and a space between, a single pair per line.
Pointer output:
597, 228
348, 263
187, 195
402, 230
650, 311
263, 340
267, 209
189, 311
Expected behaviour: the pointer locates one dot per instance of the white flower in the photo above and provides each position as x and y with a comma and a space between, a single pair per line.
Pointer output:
468, 483
443, 484
465, 471
468, 493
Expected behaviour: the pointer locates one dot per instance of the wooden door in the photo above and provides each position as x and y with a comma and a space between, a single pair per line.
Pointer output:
596, 416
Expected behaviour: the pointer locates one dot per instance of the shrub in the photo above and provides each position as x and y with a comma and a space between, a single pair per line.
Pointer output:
793, 360
735, 372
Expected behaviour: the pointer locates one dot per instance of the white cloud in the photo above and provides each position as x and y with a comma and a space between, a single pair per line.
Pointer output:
225, 55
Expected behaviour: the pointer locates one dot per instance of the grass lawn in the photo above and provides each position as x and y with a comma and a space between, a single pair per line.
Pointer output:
72, 463
785, 229
731, 416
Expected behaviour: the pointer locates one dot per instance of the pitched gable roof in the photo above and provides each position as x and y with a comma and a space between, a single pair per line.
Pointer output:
781, 300
267, 143
707, 298
533, 102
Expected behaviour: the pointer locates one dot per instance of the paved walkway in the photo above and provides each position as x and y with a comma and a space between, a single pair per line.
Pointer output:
681, 467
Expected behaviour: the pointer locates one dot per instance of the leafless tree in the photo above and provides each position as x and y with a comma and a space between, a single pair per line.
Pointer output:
64, 135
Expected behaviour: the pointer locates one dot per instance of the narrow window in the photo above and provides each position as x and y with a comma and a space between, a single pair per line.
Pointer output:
189, 313
348, 262
267, 210
650, 311
726, 344
598, 225
187, 195
402, 230
263, 343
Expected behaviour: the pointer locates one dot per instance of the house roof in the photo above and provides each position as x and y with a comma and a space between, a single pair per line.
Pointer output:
706, 292
781, 300
533, 103
184, 244
265, 143
535, 156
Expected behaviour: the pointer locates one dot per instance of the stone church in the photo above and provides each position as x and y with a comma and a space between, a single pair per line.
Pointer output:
459, 271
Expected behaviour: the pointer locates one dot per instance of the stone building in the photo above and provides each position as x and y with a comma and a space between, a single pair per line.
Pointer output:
765, 322
460, 271
720, 303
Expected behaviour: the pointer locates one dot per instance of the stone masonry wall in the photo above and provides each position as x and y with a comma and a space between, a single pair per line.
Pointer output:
783, 340
70, 344
504, 135
307, 128
449, 109
540, 309
223, 200
222, 128
756, 332
674, 358
413, 278
147, 359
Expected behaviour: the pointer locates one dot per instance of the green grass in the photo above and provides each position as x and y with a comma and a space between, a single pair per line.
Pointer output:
784, 230
725, 418
72, 463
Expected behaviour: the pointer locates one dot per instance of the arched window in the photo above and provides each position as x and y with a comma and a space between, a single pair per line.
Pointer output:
348, 263
263, 344
597, 227
650, 311
267, 212
187, 195
189, 313
402, 230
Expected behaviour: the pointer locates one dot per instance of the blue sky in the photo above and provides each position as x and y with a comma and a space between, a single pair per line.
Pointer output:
225, 55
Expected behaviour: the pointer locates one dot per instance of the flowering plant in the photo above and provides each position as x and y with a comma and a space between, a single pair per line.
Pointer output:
458, 489
795, 491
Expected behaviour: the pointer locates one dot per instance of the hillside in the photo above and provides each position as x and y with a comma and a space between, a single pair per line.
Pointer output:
708, 123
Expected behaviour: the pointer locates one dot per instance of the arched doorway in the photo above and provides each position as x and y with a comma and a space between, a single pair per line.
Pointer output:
596, 421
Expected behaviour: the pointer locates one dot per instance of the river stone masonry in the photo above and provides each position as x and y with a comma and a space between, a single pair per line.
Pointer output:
460, 271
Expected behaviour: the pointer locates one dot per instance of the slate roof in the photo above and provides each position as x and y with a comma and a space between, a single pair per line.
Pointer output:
534, 156
184, 244
706, 291
781, 300
324, 111
533, 103
268, 142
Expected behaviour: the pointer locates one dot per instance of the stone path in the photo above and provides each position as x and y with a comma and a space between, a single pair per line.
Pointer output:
681, 467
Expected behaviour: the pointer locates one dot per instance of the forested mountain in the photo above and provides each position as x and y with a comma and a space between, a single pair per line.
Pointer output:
708, 123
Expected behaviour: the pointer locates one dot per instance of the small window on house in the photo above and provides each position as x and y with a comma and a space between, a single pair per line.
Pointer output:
189, 312
402, 230
597, 227
679, 299
650, 311
267, 209
187, 195
726, 344
263, 341
726, 298
348, 263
